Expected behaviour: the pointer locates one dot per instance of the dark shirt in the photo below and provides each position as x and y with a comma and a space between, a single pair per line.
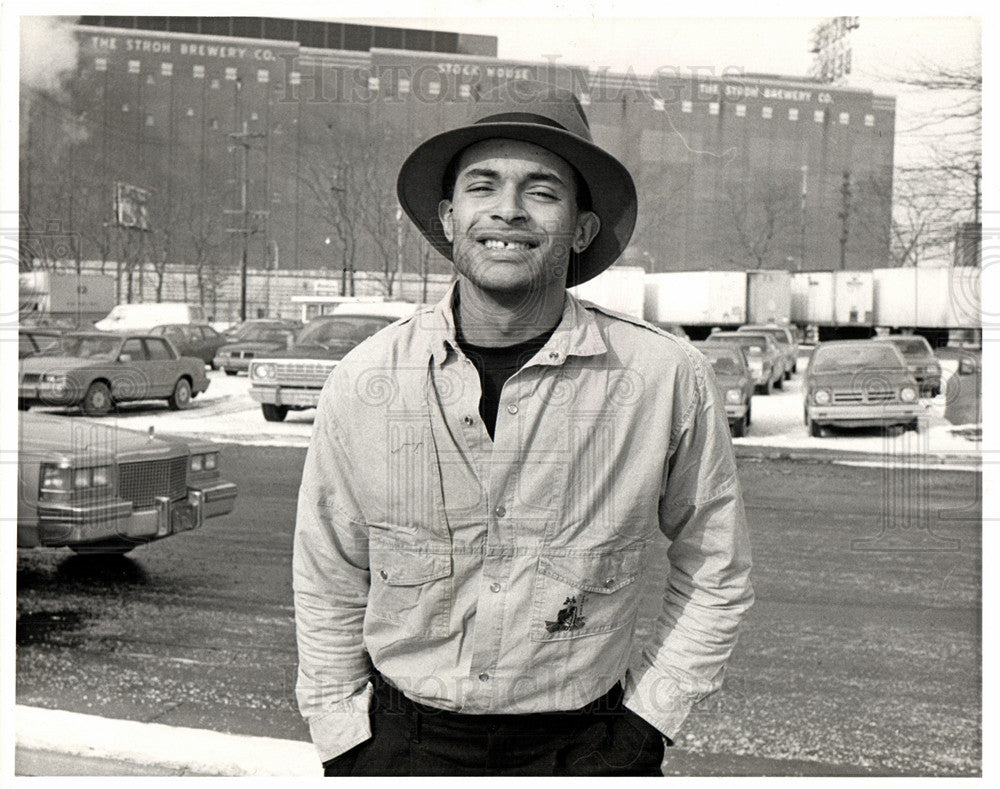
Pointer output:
495, 366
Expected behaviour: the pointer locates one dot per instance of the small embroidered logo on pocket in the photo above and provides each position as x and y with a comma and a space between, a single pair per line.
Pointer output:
570, 617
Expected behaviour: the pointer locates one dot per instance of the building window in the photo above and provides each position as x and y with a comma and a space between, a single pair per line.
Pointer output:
686, 106
373, 83
294, 78
149, 120
766, 112
190, 112
100, 64
658, 105
818, 116
263, 75
713, 108
167, 69
845, 118
869, 120
741, 110
133, 67
231, 73
198, 72
254, 116
214, 123
793, 113
124, 107
464, 91
215, 84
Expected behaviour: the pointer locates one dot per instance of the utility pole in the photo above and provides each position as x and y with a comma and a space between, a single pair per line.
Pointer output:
845, 216
802, 217
249, 218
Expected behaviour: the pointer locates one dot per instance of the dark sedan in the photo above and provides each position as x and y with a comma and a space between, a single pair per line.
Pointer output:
235, 357
735, 382
920, 359
192, 339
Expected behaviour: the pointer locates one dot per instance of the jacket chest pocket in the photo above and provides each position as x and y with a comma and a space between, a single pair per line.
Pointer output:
410, 589
578, 596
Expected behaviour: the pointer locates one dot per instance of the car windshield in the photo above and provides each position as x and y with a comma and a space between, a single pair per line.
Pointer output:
855, 357
341, 330
725, 365
265, 334
84, 346
778, 335
911, 347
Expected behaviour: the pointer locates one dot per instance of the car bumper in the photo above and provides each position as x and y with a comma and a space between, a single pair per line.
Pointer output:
231, 363
280, 395
64, 524
864, 416
736, 412
46, 395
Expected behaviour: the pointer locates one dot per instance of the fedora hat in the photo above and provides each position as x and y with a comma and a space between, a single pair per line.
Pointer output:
550, 117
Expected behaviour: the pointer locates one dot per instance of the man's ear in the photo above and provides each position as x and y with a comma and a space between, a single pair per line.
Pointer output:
447, 219
588, 225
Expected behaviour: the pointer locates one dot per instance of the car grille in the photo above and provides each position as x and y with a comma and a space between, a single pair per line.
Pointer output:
31, 378
302, 373
142, 482
872, 396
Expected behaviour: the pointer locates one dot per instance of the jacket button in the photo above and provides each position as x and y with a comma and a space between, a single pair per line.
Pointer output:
494, 587
609, 583
501, 510
512, 409
383, 574
484, 677
468, 420
553, 355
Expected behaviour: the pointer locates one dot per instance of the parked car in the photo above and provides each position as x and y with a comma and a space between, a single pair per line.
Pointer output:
859, 383
30, 341
292, 379
107, 489
785, 341
141, 317
192, 339
920, 359
735, 382
235, 357
763, 357
98, 370
239, 332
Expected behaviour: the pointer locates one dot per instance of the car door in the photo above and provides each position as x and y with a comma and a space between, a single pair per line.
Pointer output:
132, 376
164, 367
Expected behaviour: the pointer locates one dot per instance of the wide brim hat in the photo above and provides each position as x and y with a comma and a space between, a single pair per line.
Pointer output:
550, 117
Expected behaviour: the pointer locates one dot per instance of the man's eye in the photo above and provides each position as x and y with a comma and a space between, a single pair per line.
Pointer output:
544, 194
479, 188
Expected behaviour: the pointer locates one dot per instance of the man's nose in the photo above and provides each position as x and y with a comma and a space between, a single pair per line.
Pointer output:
509, 206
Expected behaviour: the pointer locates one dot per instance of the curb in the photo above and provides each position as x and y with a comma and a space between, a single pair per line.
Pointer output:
965, 461
159, 747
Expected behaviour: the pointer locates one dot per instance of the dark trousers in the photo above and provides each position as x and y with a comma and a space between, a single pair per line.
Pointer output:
603, 738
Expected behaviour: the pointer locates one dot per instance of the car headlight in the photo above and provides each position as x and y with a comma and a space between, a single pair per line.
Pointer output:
734, 396
54, 479
204, 461
908, 394
55, 380
101, 476
262, 371
821, 396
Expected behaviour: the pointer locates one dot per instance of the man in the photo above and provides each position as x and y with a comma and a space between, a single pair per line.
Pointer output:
485, 479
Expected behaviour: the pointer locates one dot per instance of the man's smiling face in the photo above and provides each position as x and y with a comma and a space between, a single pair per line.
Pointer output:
513, 217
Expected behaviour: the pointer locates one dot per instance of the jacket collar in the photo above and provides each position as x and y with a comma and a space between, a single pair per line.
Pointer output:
577, 333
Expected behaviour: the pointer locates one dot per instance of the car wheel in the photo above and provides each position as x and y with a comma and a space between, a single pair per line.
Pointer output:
274, 413
227, 371
914, 426
739, 428
767, 388
97, 401
780, 383
181, 398
815, 429
748, 414
22, 405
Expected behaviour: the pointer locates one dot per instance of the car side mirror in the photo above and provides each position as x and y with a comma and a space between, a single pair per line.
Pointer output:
966, 366
124, 357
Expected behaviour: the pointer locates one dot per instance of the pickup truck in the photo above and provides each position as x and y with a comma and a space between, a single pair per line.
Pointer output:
291, 380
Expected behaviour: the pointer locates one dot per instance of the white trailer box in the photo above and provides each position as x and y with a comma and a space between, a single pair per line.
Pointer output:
619, 288
769, 296
895, 296
697, 298
853, 298
948, 297
812, 298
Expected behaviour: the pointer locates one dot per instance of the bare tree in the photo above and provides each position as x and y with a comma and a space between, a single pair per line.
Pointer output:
762, 214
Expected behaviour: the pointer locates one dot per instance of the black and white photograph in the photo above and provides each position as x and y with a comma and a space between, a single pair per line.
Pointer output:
466, 390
